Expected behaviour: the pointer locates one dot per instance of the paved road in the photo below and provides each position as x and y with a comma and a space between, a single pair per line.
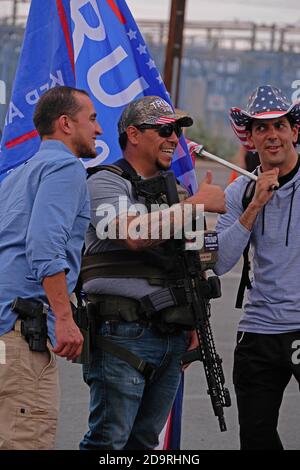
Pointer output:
200, 428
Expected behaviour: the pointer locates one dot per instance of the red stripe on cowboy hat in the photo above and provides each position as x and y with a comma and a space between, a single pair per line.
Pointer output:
267, 113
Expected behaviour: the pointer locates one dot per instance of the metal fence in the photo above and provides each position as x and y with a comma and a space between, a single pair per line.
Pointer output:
222, 63
10, 45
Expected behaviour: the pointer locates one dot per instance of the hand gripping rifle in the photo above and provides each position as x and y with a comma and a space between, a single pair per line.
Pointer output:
199, 291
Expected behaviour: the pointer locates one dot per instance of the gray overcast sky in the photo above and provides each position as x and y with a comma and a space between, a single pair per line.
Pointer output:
261, 11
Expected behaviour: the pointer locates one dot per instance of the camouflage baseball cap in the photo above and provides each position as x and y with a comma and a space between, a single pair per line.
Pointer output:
151, 110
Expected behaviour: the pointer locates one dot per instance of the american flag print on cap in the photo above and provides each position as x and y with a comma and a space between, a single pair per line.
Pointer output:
151, 110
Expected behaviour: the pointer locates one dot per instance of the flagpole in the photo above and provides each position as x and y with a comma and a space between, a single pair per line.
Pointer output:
229, 165
200, 152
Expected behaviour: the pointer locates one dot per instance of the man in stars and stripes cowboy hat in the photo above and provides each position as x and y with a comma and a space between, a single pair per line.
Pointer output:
266, 102
267, 353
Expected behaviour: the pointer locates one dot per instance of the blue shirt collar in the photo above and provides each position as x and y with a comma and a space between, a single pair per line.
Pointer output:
52, 144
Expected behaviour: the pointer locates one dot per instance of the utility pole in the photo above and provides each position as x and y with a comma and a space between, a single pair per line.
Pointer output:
15, 9
174, 49
14, 12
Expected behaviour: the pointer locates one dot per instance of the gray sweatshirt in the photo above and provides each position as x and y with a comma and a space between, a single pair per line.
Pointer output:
273, 304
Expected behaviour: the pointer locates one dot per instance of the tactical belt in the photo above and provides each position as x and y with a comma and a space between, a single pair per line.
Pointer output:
115, 307
168, 306
119, 308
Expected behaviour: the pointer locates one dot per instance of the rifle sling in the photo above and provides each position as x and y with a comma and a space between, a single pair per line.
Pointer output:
145, 368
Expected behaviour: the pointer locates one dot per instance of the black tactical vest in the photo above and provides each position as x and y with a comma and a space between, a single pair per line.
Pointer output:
160, 265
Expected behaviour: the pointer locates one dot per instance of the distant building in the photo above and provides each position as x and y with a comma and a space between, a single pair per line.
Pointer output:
10, 46
213, 81
13, 18
222, 63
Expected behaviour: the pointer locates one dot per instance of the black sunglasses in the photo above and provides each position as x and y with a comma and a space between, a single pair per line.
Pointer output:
164, 130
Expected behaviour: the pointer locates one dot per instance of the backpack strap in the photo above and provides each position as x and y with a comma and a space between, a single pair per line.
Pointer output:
245, 279
120, 167
113, 168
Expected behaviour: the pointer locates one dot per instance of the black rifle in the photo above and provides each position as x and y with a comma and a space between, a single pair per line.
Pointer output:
199, 291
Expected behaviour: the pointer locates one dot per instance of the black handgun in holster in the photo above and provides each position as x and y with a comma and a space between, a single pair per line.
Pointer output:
33, 315
80, 315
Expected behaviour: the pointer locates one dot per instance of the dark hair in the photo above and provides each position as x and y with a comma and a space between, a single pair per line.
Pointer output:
123, 138
53, 104
291, 120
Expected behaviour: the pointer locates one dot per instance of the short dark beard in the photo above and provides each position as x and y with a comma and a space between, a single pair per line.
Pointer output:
85, 152
162, 167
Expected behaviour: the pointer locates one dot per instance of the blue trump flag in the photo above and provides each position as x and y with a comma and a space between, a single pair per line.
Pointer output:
46, 60
91, 44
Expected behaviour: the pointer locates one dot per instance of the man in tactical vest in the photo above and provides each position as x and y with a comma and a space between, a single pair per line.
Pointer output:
268, 337
133, 282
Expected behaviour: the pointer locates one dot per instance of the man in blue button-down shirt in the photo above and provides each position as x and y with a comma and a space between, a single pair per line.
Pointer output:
44, 214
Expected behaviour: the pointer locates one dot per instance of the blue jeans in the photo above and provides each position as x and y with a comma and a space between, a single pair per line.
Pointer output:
127, 412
